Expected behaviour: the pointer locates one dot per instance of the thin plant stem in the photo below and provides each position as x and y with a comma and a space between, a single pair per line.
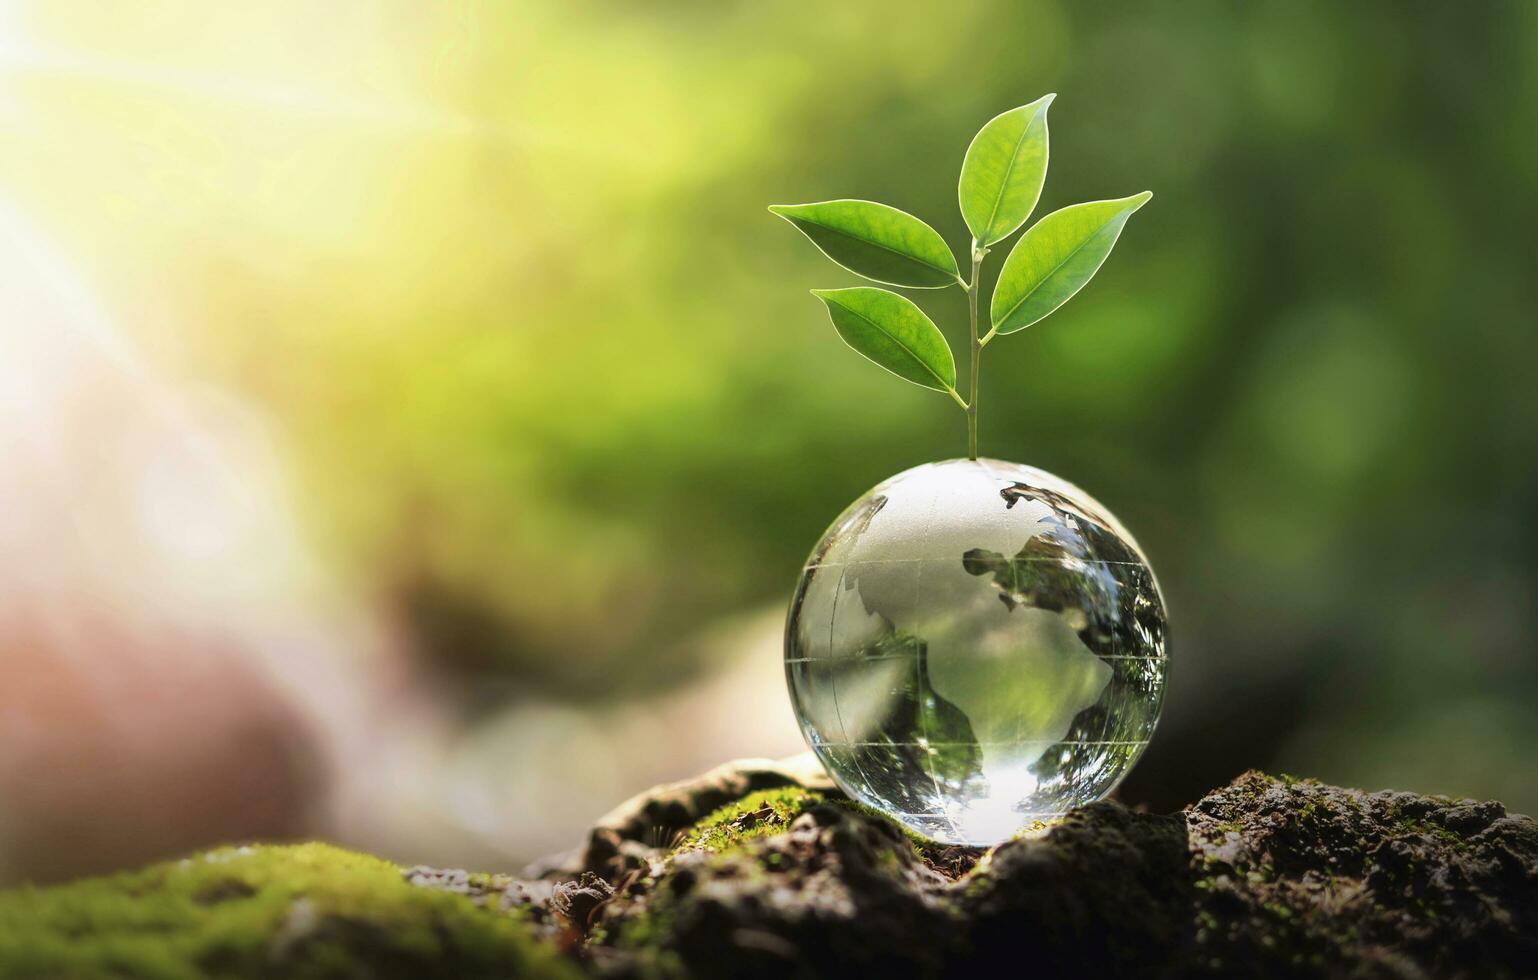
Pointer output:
977, 348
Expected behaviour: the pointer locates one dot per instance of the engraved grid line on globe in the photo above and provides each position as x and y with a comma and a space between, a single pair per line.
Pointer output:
883, 744
1150, 658
919, 561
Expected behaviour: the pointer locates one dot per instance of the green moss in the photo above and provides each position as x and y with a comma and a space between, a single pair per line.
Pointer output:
1278, 909
770, 811
1415, 826
758, 814
657, 964
647, 930
305, 911
922, 846
1035, 828
977, 881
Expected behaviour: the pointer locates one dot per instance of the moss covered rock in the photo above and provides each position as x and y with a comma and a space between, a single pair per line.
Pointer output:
1266, 877
752, 871
303, 911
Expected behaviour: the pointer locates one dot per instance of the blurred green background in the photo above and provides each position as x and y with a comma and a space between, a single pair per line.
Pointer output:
551, 401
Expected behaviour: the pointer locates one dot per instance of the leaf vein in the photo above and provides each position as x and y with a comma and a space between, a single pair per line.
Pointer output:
1050, 273
898, 341
1008, 172
887, 248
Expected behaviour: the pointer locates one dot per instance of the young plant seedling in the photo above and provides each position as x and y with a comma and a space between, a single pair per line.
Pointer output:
1001, 180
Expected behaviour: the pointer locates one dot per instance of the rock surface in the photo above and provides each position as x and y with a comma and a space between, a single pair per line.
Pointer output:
1265, 877
760, 869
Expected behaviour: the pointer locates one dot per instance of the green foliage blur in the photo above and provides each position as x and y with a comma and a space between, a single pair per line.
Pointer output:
560, 396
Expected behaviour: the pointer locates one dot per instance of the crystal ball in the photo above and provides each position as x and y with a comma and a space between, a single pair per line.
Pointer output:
975, 646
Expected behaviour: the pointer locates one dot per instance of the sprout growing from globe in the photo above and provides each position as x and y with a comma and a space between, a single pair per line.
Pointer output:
974, 645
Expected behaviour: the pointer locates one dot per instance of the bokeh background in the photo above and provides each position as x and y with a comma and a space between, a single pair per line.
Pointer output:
412, 424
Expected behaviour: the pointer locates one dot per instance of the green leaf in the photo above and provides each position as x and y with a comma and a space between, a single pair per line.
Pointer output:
1004, 169
876, 241
892, 331
1055, 258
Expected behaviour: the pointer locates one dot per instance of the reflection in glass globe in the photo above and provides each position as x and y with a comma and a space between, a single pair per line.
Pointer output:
976, 645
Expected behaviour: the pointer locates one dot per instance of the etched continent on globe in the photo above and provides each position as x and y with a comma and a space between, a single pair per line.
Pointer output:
976, 645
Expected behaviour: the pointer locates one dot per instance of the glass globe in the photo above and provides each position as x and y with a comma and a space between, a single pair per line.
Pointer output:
975, 646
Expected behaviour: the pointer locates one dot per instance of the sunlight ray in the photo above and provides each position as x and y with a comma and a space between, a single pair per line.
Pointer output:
18, 56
